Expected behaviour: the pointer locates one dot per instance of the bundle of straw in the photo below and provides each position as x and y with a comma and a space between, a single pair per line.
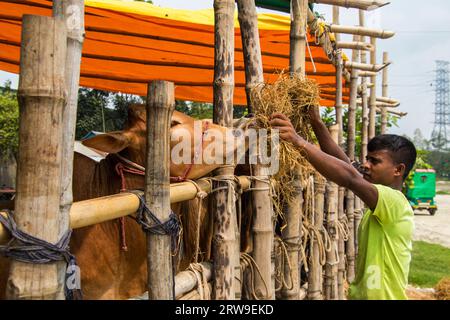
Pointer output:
292, 95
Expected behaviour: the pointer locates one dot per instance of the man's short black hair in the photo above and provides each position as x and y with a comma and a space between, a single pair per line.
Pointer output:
402, 150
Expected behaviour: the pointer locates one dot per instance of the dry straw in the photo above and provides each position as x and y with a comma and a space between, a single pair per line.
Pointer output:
293, 96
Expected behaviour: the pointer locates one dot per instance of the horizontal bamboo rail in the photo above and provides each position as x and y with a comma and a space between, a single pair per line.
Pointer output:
365, 66
355, 46
358, 4
389, 101
382, 104
89, 212
394, 112
361, 31
367, 74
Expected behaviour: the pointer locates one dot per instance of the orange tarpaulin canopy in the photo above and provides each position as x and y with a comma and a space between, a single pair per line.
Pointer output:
124, 50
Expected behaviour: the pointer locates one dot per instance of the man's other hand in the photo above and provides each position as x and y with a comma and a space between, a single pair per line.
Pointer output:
287, 132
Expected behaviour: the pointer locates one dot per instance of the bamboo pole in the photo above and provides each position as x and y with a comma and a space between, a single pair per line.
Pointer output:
366, 67
72, 14
339, 68
263, 231
315, 268
395, 103
248, 21
292, 233
358, 4
354, 45
331, 268
350, 197
362, 31
384, 119
42, 96
225, 234
89, 212
381, 105
373, 93
357, 219
160, 106
341, 274
366, 74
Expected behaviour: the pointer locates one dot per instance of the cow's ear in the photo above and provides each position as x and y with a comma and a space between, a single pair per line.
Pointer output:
112, 142
179, 118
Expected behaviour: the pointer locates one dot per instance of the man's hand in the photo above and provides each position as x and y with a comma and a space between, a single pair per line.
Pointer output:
287, 132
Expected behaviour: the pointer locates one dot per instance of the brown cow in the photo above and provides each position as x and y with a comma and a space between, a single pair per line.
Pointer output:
108, 271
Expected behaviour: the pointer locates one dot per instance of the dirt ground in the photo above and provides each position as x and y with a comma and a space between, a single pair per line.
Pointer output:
435, 229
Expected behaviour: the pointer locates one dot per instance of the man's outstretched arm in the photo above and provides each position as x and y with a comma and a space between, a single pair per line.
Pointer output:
326, 142
332, 168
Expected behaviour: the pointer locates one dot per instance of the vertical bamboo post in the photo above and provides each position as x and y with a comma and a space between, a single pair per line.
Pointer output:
364, 98
331, 268
315, 268
373, 92
42, 96
263, 237
341, 275
339, 69
72, 13
160, 106
384, 115
225, 233
292, 233
350, 197
357, 220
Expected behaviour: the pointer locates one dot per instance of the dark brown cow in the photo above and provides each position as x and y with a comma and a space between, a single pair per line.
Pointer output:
108, 271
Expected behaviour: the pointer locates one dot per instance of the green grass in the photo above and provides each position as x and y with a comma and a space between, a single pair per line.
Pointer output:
430, 263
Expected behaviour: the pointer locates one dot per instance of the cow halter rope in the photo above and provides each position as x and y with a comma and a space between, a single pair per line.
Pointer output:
128, 166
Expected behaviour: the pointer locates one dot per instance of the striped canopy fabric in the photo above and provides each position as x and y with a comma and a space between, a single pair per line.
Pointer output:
128, 44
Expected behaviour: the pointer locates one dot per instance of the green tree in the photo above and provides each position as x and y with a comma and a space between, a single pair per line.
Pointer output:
9, 121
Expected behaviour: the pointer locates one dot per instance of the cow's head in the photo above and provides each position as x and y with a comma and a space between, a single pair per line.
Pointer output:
188, 136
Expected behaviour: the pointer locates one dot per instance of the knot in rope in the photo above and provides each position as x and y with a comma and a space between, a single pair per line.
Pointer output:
202, 282
151, 224
28, 249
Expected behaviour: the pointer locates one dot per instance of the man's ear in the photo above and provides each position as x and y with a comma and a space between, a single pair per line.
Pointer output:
112, 142
400, 170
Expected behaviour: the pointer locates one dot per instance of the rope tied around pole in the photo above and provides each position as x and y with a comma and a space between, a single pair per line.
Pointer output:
250, 267
29, 249
281, 251
202, 282
151, 224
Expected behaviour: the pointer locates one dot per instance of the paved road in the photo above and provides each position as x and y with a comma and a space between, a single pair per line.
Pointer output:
435, 229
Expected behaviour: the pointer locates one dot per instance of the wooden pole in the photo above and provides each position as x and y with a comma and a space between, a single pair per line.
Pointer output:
263, 230
350, 197
315, 267
358, 4
248, 21
366, 67
339, 68
362, 31
331, 268
294, 220
160, 106
373, 92
384, 119
225, 234
354, 45
72, 14
42, 96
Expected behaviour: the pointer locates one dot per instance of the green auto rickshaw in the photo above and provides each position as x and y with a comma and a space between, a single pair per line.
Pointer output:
421, 190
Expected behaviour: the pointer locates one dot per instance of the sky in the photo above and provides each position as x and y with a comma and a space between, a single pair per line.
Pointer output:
422, 36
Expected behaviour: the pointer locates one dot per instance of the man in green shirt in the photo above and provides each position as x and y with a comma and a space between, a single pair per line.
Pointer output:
385, 232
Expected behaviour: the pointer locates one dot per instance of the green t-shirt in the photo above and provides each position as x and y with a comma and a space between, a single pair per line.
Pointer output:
384, 249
